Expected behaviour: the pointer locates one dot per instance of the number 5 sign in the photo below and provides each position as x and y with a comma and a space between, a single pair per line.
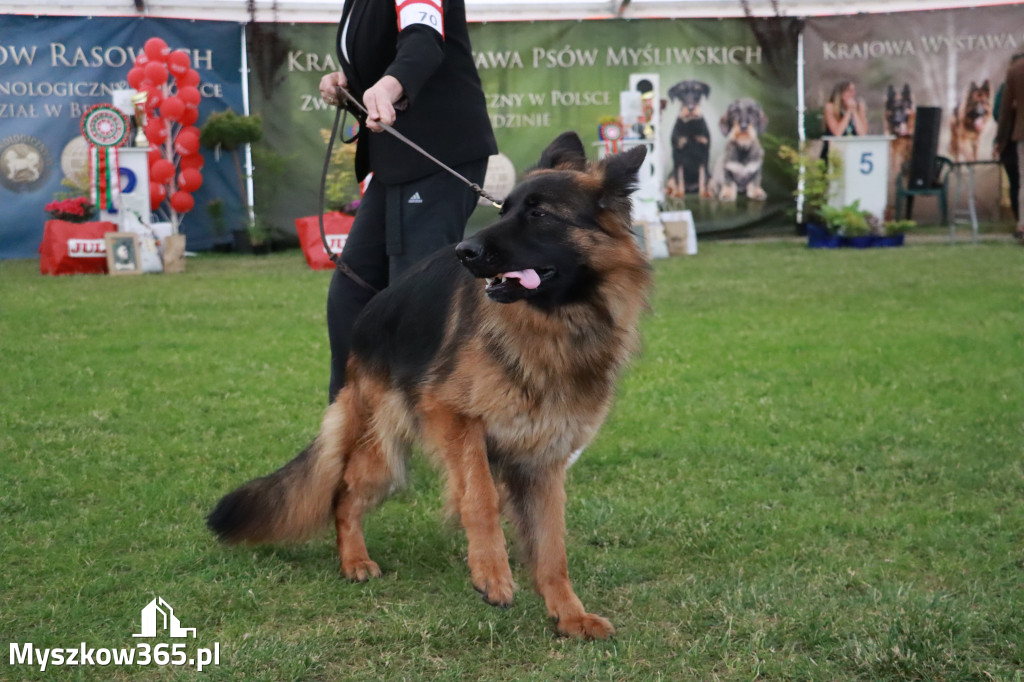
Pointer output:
865, 176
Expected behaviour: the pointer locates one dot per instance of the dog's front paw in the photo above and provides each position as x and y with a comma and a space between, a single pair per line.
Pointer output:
756, 194
585, 626
360, 571
498, 591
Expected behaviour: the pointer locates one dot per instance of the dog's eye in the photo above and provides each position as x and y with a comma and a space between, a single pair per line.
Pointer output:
537, 213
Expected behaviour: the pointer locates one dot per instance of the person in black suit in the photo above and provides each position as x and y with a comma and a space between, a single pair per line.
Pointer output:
411, 65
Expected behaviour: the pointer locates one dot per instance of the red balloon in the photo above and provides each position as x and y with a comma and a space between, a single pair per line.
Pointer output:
161, 171
179, 63
190, 180
157, 194
154, 96
156, 49
191, 78
190, 116
135, 77
142, 60
195, 161
182, 202
186, 145
156, 130
156, 72
154, 154
189, 94
189, 131
172, 108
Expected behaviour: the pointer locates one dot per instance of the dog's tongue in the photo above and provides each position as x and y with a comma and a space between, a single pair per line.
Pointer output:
528, 279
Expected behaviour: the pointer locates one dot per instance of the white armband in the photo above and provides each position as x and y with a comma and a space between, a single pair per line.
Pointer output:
426, 12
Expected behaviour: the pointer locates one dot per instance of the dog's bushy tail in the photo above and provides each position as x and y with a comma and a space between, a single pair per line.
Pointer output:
296, 500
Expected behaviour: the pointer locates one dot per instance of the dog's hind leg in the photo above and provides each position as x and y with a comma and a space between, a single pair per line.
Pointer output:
538, 510
459, 440
366, 481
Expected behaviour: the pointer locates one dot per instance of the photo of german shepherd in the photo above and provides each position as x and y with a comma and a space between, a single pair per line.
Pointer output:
499, 357
899, 123
969, 118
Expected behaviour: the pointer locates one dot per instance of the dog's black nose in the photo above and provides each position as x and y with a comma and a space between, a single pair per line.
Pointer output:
469, 251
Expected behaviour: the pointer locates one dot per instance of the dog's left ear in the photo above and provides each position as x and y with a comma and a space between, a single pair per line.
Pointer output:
985, 86
566, 152
906, 92
705, 89
762, 121
620, 174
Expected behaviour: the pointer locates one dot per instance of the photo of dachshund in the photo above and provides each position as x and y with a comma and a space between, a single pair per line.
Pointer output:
899, 122
969, 118
691, 141
738, 169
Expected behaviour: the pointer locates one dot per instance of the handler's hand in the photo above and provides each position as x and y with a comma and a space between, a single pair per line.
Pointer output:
327, 85
380, 100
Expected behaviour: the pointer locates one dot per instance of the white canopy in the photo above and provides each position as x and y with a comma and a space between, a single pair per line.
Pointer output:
326, 11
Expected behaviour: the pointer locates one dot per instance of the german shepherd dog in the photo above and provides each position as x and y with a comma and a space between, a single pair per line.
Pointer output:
738, 169
499, 357
899, 123
968, 120
691, 141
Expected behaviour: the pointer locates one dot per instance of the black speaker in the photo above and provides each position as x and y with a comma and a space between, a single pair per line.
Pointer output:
925, 147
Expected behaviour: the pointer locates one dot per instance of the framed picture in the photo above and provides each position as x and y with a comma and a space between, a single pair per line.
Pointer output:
122, 253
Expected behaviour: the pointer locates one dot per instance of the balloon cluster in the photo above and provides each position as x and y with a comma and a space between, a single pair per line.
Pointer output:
175, 163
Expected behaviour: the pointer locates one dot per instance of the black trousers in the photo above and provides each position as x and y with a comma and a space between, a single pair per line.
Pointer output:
1008, 157
395, 226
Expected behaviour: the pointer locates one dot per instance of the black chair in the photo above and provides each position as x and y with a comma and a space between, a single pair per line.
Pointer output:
938, 186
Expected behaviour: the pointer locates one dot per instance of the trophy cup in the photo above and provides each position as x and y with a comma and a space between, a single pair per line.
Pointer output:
139, 104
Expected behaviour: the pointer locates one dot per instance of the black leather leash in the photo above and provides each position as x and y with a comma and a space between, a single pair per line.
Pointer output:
342, 95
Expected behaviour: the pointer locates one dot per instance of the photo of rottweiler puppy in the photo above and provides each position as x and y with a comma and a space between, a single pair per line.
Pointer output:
691, 141
499, 357
969, 118
738, 169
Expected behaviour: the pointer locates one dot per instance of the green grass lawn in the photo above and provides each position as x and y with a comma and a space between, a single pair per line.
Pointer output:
814, 471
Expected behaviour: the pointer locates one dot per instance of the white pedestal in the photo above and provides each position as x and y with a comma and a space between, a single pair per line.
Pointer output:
134, 177
865, 176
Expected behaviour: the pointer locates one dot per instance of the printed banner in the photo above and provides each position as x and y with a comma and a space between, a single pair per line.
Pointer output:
951, 59
543, 78
52, 69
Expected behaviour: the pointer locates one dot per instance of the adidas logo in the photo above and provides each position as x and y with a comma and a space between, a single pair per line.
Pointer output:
416, 199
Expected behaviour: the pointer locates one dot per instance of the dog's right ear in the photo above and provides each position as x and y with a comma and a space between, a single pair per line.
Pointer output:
890, 95
705, 89
566, 152
725, 123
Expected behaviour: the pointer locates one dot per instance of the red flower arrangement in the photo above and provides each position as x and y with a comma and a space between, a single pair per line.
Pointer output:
75, 210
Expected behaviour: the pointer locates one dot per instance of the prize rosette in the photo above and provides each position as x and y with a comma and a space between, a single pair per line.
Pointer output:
103, 125
611, 133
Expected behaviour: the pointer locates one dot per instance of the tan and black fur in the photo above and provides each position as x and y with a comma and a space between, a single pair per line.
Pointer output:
969, 119
500, 357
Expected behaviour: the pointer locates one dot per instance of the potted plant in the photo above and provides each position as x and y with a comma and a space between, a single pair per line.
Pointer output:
856, 227
72, 210
815, 180
894, 231
228, 131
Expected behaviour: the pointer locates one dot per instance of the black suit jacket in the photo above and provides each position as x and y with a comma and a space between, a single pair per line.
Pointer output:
445, 110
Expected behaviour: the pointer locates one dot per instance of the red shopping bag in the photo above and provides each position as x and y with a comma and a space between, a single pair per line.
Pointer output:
336, 227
